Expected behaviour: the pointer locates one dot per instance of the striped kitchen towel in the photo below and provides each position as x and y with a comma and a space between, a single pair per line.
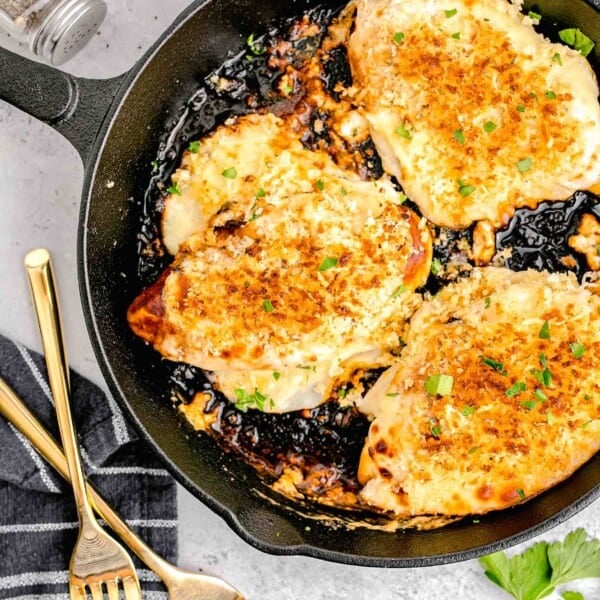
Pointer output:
38, 522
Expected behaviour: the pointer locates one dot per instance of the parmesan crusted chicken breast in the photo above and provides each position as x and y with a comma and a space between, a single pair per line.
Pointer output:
474, 112
495, 397
298, 273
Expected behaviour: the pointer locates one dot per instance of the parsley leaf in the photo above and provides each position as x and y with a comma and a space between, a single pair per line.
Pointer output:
402, 131
577, 40
515, 389
535, 573
174, 189
577, 349
328, 263
439, 385
398, 37
465, 189
574, 558
244, 400
572, 596
194, 147
230, 173
524, 165
459, 136
525, 576
255, 46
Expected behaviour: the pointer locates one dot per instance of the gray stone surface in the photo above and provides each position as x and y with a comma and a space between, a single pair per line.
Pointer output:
40, 183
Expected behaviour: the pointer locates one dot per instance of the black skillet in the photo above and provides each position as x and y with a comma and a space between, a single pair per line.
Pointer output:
115, 125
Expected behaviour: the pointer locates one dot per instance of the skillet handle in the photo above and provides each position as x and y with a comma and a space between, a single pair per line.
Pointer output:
75, 107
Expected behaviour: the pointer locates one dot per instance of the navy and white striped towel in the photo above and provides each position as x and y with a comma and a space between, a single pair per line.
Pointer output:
38, 522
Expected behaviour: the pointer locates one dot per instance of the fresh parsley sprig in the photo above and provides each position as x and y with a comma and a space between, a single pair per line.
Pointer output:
539, 570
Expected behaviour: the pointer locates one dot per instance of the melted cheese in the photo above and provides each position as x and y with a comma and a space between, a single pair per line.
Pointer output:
429, 93
507, 431
315, 272
265, 162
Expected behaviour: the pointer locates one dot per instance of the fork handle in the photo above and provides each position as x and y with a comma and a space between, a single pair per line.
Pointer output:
45, 298
25, 421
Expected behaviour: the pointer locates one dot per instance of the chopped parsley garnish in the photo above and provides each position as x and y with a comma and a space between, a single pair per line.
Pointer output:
557, 59
287, 89
529, 404
344, 191
436, 266
255, 46
540, 395
436, 430
276, 375
244, 400
320, 185
456, 35
465, 189
577, 349
577, 40
524, 165
450, 13
521, 108
544, 333
439, 385
403, 132
515, 389
543, 360
550, 94
474, 449
586, 424
328, 263
534, 16
549, 418
255, 214
544, 377
497, 366
399, 290
489, 126
598, 250
174, 189
488, 302
307, 368
261, 193
521, 493
194, 147
154, 165
467, 411
230, 173
398, 37
267, 306
459, 136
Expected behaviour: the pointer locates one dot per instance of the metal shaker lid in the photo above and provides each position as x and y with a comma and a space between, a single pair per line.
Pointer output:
67, 29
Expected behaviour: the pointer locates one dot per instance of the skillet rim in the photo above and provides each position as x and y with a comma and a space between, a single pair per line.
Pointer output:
228, 514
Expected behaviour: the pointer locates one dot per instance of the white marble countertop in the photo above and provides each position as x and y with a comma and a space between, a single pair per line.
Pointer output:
40, 183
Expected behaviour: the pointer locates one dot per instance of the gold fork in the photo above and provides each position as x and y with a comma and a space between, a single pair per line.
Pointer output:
181, 585
98, 563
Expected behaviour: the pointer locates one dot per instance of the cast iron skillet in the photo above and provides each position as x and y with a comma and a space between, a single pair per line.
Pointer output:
115, 125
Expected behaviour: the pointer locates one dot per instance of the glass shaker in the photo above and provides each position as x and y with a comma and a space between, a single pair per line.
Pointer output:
54, 30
